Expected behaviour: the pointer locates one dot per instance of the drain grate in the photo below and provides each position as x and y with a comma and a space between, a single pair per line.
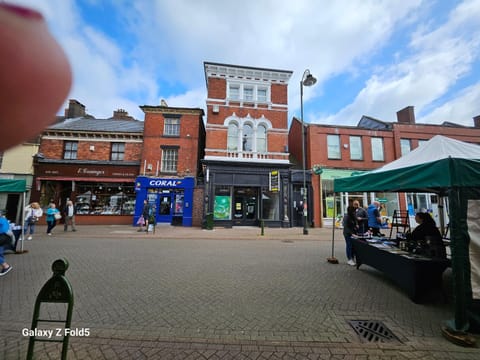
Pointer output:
372, 331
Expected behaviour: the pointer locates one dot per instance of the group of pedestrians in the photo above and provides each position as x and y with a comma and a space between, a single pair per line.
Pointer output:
33, 212
358, 221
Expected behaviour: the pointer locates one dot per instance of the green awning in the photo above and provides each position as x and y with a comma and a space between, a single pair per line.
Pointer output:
12, 186
331, 174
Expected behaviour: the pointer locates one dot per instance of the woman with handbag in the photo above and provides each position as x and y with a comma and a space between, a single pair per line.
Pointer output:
33, 213
52, 216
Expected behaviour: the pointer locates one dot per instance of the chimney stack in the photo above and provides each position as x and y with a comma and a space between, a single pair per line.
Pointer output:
75, 109
406, 115
121, 114
476, 121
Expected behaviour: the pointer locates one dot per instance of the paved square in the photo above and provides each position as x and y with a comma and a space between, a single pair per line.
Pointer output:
210, 297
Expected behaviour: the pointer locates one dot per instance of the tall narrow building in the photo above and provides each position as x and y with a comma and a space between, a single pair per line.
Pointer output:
246, 163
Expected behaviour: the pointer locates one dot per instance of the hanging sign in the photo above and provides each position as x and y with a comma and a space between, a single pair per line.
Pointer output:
274, 181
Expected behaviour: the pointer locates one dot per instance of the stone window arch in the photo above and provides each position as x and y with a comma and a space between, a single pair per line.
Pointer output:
261, 138
248, 137
232, 136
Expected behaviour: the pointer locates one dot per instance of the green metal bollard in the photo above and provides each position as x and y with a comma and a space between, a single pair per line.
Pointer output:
262, 226
56, 290
209, 221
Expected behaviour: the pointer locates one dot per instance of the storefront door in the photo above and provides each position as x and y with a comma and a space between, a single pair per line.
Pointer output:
165, 207
245, 206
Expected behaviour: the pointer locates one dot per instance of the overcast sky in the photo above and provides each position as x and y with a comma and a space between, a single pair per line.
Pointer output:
371, 57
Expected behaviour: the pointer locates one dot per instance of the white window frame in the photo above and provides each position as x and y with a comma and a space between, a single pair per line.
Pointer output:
354, 146
377, 141
70, 150
117, 152
171, 126
405, 146
234, 92
232, 138
248, 92
262, 98
261, 138
333, 147
169, 161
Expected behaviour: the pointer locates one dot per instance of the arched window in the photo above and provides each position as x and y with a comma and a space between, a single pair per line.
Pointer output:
232, 137
261, 139
247, 138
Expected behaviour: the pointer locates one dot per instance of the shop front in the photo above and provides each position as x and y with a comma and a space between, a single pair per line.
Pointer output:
246, 195
102, 194
171, 200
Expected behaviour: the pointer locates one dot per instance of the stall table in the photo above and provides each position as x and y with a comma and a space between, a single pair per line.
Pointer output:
417, 275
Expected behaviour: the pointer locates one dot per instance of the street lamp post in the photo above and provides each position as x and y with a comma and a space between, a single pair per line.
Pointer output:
307, 80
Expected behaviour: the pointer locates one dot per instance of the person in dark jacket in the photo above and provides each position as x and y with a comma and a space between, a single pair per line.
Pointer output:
427, 234
350, 227
362, 217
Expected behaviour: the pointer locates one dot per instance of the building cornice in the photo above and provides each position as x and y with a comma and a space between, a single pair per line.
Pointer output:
237, 72
90, 136
172, 110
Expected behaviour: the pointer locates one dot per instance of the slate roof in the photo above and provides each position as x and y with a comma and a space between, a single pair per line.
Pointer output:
369, 122
99, 125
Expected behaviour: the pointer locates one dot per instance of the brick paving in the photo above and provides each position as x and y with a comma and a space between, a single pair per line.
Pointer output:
188, 293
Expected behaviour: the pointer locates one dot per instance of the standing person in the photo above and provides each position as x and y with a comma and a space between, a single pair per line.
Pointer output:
350, 227
4, 240
374, 218
33, 213
146, 213
362, 217
69, 213
51, 218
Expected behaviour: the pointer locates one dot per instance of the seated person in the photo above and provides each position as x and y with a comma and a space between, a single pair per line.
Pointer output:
5, 243
427, 234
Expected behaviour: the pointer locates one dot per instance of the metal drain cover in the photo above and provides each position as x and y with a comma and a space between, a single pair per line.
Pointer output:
372, 331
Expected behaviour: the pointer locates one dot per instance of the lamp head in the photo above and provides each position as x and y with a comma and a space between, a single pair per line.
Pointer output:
309, 80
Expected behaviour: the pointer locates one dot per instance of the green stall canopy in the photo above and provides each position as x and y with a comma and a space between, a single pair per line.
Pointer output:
437, 165
450, 168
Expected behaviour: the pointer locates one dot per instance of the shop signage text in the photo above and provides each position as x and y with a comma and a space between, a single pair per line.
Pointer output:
117, 171
87, 171
164, 183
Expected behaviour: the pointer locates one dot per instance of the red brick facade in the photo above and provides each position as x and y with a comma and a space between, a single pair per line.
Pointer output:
190, 141
246, 139
392, 133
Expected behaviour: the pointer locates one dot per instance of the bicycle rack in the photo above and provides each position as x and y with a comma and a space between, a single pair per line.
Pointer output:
56, 290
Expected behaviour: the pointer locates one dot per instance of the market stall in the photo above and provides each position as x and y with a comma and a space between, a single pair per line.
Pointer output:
449, 168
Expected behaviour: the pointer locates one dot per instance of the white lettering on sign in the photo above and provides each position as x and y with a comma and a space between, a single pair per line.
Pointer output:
90, 171
171, 183
122, 174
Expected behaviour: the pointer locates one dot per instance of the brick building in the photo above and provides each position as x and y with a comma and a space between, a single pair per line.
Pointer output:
246, 161
173, 145
92, 161
340, 151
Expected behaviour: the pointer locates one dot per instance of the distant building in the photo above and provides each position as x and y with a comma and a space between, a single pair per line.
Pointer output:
16, 164
173, 145
340, 151
93, 162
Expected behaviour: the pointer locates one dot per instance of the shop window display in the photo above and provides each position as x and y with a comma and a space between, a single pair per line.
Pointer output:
105, 199
270, 205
